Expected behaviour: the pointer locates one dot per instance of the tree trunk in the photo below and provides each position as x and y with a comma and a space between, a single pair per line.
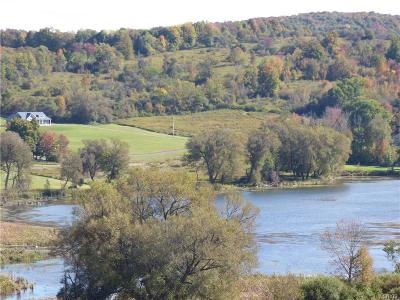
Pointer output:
250, 176
7, 177
350, 273
65, 184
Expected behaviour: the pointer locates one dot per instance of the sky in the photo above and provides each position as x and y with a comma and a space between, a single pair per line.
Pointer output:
72, 15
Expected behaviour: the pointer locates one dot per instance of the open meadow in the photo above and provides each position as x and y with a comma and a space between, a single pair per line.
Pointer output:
143, 145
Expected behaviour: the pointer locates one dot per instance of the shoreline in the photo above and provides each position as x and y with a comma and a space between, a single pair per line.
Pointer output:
310, 183
10, 207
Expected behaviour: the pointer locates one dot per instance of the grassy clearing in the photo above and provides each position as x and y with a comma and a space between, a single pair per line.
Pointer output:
142, 144
46, 169
189, 56
188, 125
38, 183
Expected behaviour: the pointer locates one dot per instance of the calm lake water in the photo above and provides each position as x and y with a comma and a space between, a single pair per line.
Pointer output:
50, 215
288, 228
290, 222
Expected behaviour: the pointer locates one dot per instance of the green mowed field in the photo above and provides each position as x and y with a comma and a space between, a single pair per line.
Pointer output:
191, 124
143, 145
370, 169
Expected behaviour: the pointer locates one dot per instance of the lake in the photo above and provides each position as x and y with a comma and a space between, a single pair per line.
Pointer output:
47, 215
288, 228
291, 220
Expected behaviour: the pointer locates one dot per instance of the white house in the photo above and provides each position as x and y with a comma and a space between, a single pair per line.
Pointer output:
40, 117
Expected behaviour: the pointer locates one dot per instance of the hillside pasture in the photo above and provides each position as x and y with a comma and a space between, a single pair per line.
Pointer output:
191, 124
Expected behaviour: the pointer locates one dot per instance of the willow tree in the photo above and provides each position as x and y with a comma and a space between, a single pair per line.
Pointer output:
156, 235
263, 144
219, 150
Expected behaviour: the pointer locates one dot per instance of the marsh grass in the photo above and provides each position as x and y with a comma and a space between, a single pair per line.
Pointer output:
20, 255
13, 285
20, 234
24, 243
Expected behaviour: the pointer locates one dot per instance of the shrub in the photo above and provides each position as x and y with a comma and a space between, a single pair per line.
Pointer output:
323, 288
389, 284
283, 287
360, 293
26, 85
275, 287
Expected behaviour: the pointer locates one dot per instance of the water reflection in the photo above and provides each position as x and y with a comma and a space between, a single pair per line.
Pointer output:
51, 215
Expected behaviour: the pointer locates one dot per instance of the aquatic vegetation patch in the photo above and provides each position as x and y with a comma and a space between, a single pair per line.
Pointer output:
13, 285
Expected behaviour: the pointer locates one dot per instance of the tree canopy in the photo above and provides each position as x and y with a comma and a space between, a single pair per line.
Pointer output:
156, 235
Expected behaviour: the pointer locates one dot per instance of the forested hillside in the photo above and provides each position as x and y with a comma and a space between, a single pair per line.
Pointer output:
301, 64
267, 63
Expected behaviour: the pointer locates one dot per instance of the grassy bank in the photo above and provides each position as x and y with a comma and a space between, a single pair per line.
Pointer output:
381, 286
357, 170
21, 255
289, 182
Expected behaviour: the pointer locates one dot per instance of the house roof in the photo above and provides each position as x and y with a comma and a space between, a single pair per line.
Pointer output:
33, 114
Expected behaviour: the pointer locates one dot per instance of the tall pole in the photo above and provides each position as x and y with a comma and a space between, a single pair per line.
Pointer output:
173, 125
